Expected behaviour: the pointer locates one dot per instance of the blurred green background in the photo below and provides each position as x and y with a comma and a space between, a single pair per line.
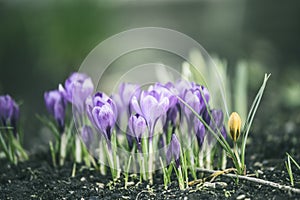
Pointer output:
42, 42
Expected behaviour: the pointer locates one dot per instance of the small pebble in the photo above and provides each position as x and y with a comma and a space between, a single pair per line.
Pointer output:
215, 185
100, 185
71, 192
265, 162
83, 179
260, 172
271, 168
221, 185
185, 198
240, 197
130, 183
257, 164
253, 157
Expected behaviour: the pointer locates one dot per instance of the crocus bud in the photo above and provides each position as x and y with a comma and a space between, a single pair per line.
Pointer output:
234, 124
199, 129
56, 106
137, 125
102, 112
174, 151
9, 111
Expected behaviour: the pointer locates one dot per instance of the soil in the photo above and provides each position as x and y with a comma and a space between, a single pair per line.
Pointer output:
38, 179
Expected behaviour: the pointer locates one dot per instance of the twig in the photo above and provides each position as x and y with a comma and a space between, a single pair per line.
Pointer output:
212, 177
255, 180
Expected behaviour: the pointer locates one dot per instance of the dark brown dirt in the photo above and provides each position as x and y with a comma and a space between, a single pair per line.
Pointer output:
36, 179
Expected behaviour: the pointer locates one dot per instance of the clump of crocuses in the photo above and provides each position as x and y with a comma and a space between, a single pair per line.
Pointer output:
76, 89
172, 126
10, 136
152, 125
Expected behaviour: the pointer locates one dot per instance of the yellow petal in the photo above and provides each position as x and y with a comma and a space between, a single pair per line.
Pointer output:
234, 125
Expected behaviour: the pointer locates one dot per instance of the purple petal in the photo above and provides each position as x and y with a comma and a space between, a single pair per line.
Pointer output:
192, 100
87, 135
77, 88
200, 131
140, 126
137, 126
7, 106
95, 117
56, 105
135, 105
150, 108
59, 114
173, 151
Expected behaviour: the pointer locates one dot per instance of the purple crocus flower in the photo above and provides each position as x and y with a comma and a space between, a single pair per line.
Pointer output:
122, 100
9, 111
56, 106
173, 151
197, 97
217, 123
102, 112
181, 86
152, 106
217, 116
87, 135
169, 91
173, 114
76, 90
124, 96
137, 126
224, 132
199, 129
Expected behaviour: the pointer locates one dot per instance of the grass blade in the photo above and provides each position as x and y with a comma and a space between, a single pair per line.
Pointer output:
251, 115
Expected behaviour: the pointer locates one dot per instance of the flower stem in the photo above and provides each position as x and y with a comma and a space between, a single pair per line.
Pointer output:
63, 149
150, 161
5, 148
78, 149
235, 149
